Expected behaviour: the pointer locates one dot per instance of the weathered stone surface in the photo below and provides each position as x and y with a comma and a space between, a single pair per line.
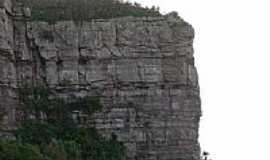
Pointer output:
8, 78
5, 29
6, 5
143, 69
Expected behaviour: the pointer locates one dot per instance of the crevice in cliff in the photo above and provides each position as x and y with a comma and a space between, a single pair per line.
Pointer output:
39, 63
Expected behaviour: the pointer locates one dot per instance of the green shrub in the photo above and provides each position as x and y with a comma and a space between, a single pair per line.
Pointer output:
86, 10
14, 150
35, 100
53, 133
36, 132
87, 105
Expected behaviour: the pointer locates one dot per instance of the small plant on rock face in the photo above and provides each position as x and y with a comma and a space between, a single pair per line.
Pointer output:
65, 82
205, 156
2, 115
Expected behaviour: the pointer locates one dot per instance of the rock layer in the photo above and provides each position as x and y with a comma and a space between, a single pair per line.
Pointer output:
142, 68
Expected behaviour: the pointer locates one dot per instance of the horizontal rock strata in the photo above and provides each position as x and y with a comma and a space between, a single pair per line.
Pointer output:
142, 68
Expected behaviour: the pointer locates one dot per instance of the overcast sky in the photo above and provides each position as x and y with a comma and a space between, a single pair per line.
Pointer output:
232, 53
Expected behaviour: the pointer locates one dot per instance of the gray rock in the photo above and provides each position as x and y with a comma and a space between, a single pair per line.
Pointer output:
143, 69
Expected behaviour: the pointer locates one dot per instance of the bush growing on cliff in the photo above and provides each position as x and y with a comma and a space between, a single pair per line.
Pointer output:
15, 150
86, 10
52, 129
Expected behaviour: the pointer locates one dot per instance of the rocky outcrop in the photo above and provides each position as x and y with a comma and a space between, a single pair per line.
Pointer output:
142, 68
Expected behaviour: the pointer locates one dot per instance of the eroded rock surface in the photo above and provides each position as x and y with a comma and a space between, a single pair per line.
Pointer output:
142, 68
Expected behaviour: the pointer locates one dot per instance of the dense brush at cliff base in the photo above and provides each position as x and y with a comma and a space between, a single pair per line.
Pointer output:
52, 130
86, 10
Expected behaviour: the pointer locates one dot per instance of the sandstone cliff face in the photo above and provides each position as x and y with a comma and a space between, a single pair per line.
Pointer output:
142, 68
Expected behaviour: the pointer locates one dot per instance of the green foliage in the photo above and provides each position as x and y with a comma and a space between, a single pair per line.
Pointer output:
88, 105
35, 99
99, 148
2, 114
49, 131
38, 103
86, 10
15, 150
35, 132
81, 144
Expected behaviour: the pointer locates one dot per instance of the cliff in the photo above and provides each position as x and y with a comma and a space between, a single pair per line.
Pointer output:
142, 68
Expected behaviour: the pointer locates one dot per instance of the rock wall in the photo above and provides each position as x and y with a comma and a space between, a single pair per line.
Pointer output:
142, 68
8, 79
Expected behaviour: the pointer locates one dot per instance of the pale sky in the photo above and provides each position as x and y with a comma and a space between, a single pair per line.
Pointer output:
232, 53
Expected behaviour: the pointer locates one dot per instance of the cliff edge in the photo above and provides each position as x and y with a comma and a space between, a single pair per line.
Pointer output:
142, 68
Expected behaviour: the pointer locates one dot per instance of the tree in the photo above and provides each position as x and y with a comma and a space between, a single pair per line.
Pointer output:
85, 10
205, 156
57, 135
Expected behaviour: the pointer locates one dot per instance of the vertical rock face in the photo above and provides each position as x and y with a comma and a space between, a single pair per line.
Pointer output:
8, 77
142, 68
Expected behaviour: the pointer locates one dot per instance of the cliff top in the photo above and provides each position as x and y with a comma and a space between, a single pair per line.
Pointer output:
53, 11
86, 10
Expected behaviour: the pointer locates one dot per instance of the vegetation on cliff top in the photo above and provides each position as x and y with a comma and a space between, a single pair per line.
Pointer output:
86, 10
54, 129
